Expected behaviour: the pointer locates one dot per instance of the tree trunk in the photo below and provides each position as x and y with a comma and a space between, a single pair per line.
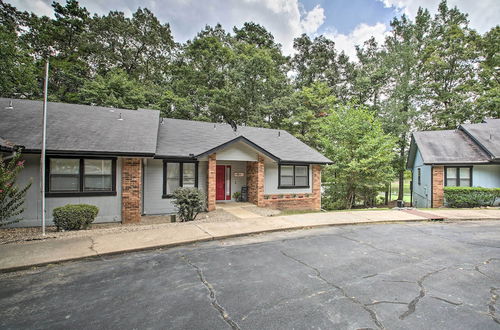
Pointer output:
401, 168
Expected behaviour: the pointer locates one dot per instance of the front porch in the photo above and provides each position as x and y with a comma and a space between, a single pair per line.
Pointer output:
227, 176
258, 174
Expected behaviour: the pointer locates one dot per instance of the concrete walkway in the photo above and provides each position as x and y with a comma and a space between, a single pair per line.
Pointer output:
19, 256
239, 210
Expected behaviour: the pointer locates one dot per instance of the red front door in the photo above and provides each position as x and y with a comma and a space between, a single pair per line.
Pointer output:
220, 182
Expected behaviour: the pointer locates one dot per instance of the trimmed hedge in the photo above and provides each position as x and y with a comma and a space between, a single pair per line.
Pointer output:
74, 216
470, 196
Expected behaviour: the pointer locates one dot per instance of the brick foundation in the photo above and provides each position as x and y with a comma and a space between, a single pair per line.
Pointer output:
437, 186
301, 201
212, 162
131, 190
255, 181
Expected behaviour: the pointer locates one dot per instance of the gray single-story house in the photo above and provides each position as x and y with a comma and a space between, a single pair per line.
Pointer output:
468, 156
128, 162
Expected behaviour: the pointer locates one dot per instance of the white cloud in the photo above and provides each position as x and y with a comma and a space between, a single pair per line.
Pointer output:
313, 20
483, 14
361, 33
285, 19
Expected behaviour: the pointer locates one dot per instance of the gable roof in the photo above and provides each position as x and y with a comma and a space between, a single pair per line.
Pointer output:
486, 135
83, 129
73, 128
469, 144
179, 138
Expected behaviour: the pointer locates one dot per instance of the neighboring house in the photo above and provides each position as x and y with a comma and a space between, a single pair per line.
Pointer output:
129, 162
467, 157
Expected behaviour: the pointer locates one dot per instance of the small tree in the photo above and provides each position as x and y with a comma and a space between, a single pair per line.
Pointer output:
362, 155
189, 202
11, 195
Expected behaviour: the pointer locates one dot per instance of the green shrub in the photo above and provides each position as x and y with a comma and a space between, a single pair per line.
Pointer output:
470, 196
189, 202
74, 216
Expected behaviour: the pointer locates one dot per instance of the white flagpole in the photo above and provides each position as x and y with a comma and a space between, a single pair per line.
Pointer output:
44, 138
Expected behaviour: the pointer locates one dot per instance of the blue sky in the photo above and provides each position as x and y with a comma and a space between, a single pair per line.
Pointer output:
344, 16
347, 22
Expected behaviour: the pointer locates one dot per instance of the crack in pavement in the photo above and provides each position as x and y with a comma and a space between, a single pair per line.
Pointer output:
376, 247
283, 301
386, 302
491, 305
476, 267
212, 294
372, 313
413, 304
447, 301
450, 239
91, 247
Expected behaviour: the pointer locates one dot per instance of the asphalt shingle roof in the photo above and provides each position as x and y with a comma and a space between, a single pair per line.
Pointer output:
486, 135
448, 147
185, 138
79, 128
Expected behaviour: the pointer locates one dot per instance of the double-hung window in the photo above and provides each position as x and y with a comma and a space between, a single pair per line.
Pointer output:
80, 176
179, 174
293, 176
458, 176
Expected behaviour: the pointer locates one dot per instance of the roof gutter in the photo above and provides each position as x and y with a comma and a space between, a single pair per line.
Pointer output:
93, 153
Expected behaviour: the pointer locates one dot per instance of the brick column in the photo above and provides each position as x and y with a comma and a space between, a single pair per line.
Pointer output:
131, 190
255, 181
211, 170
437, 186
316, 187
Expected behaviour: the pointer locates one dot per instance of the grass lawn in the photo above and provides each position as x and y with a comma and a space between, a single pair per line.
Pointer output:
406, 190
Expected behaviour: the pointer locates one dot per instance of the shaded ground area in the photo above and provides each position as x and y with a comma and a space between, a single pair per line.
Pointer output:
396, 276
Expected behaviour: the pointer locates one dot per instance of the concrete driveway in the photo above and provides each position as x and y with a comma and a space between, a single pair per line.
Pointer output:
394, 276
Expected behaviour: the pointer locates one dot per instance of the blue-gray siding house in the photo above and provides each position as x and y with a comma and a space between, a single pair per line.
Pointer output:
467, 156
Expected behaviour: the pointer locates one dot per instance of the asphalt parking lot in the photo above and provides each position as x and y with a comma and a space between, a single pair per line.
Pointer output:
389, 276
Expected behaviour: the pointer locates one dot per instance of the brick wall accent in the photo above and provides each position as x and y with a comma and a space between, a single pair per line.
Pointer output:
255, 181
300, 201
131, 190
437, 186
212, 162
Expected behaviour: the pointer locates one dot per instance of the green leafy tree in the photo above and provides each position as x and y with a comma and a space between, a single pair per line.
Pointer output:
317, 60
115, 89
404, 59
141, 45
362, 155
488, 103
307, 109
451, 69
12, 197
17, 67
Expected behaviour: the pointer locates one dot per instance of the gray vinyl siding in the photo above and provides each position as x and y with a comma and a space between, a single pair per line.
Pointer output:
109, 206
421, 193
153, 187
271, 181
